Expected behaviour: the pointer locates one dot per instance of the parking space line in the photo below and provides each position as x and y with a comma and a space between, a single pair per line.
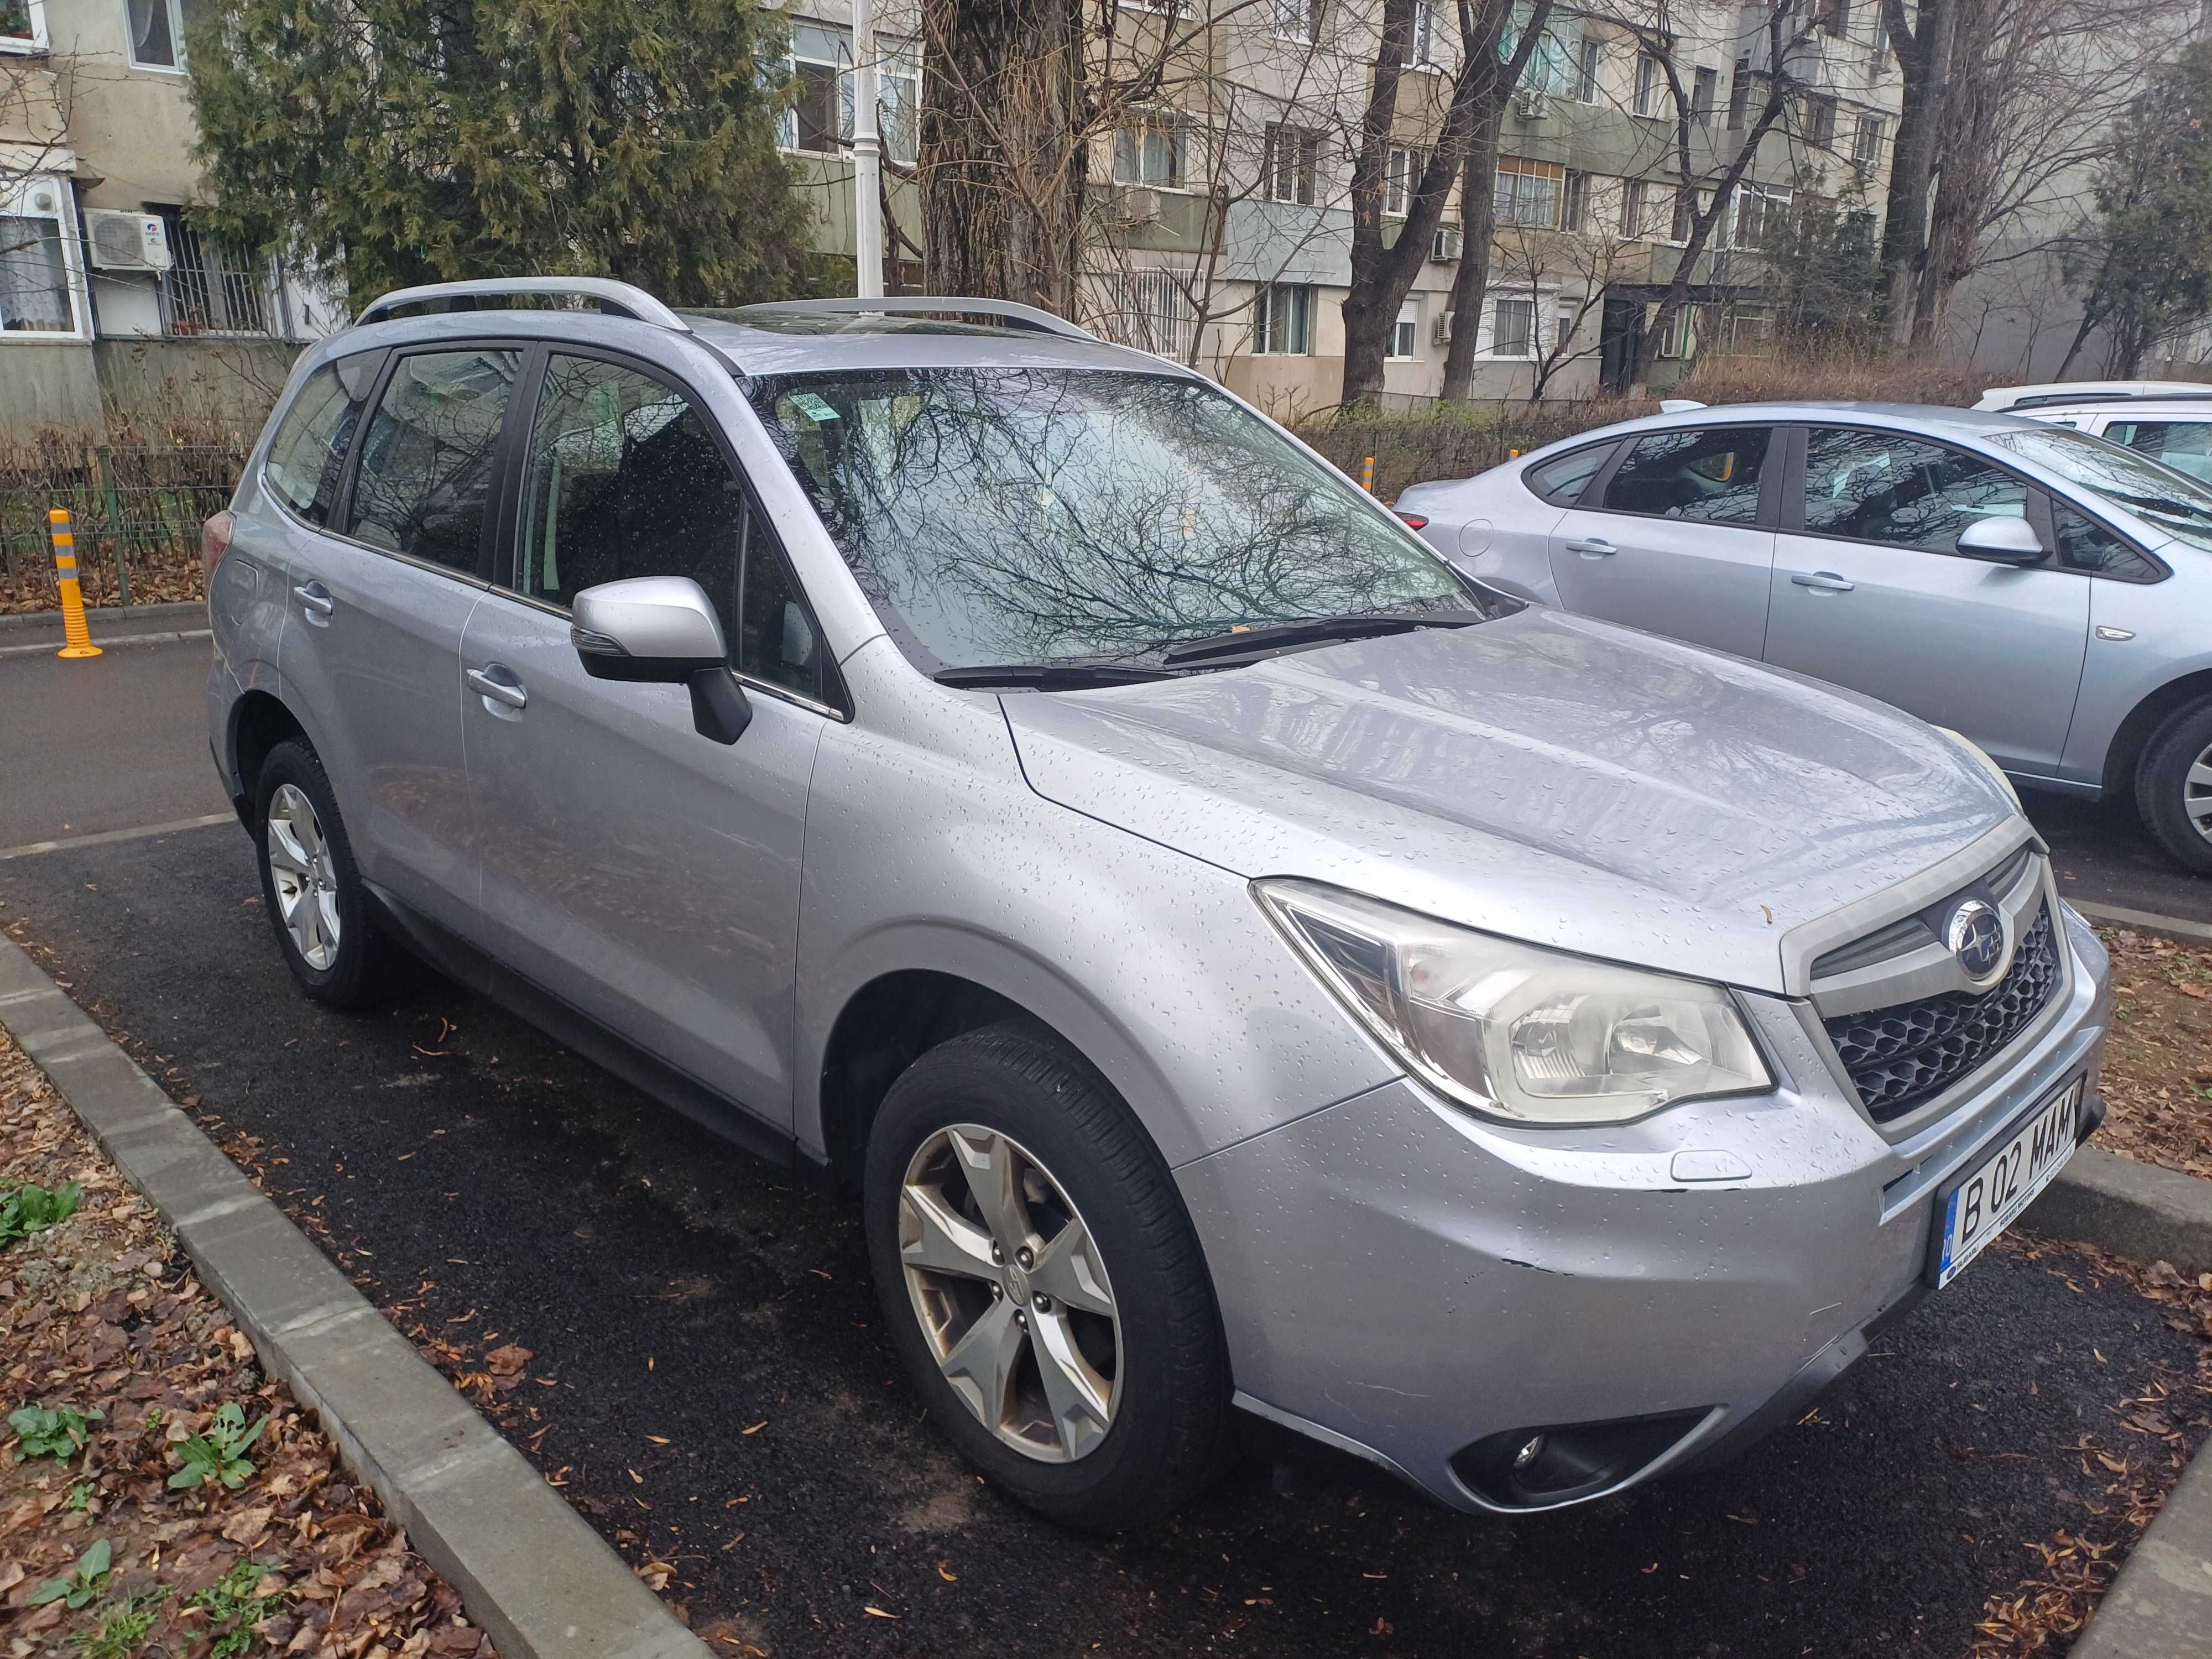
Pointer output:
106, 836
2143, 918
48, 647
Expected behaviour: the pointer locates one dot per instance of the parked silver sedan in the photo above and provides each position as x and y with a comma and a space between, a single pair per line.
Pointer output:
2038, 589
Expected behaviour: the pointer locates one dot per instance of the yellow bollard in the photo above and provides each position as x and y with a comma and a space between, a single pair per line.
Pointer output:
73, 625
1367, 475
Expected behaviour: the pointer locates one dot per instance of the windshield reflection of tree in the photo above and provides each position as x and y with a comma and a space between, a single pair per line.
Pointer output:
1018, 515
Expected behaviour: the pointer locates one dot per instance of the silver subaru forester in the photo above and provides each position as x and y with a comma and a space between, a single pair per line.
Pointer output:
1235, 960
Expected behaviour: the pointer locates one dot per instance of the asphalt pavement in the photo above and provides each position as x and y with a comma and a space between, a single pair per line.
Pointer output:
707, 1380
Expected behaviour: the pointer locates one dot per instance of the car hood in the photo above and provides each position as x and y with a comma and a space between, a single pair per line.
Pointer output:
1544, 775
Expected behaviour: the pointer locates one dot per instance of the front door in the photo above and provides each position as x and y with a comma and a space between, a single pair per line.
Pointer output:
639, 872
1871, 592
1677, 540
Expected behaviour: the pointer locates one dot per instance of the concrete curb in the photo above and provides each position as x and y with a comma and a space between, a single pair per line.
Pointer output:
137, 616
2161, 1606
2139, 1209
529, 1570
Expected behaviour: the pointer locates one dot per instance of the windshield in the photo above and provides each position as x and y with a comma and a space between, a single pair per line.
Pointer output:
1029, 515
2172, 501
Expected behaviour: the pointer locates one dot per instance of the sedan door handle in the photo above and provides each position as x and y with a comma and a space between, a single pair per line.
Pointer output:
1596, 547
1822, 581
315, 598
496, 681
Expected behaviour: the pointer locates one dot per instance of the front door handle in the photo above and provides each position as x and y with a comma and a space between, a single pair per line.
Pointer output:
1594, 547
1822, 581
496, 681
314, 599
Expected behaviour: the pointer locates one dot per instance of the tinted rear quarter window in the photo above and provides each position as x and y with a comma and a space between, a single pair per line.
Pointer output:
1562, 479
307, 456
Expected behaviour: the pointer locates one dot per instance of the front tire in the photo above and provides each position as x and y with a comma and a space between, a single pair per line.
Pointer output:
1043, 1281
2173, 785
312, 888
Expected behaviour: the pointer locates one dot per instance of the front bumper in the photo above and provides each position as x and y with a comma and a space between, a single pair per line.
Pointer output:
1410, 1285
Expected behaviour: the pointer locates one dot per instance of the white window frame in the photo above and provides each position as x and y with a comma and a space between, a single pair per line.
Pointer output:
1152, 310
841, 68
1650, 87
1869, 123
1266, 330
1403, 344
1772, 198
1486, 346
1295, 20
1136, 125
17, 195
176, 38
1635, 224
1519, 194
1421, 49
1575, 203
1403, 167
1564, 313
35, 41
1588, 64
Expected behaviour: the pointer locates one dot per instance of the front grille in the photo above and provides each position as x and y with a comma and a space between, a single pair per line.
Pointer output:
1900, 1056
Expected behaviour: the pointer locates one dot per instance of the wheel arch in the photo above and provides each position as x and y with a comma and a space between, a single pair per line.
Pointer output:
259, 720
2134, 732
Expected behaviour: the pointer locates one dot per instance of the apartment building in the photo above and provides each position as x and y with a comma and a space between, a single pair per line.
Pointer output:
1219, 219
114, 309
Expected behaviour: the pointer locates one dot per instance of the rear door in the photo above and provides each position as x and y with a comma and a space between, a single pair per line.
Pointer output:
641, 872
371, 646
1870, 592
1676, 537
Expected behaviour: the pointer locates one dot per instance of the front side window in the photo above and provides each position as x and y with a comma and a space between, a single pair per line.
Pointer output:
36, 294
1024, 515
426, 460
306, 458
2170, 500
1710, 473
1908, 492
2085, 545
157, 34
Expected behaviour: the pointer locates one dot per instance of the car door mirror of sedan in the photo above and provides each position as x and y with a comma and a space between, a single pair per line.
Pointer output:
2002, 541
663, 631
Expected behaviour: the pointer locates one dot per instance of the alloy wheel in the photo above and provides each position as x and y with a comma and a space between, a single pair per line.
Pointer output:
2196, 793
304, 875
1011, 1292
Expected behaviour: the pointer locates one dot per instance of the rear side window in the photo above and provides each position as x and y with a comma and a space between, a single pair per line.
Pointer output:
2185, 446
308, 455
426, 459
1707, 473
1562, 480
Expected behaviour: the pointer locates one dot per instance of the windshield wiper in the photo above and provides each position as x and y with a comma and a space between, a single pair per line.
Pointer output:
1311, 630
1050, 675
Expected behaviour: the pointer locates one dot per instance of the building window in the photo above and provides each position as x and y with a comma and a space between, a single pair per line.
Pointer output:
22, 25
1820, 120
1702, 87
157, 33
1282, 319
898, 99
1866, 141
1635, 194
1406, 333
1153, 148
1759, 214
1574, 202
1563, 337
37, 294
1833, 17
1513, 328
820, 118
1291, 163
1529, 192
1650, 84
1738, 94
1751, 331
1686, 214
1401, 179
1586, 69
1295, 20
1152, 312
206, 289
1423, 54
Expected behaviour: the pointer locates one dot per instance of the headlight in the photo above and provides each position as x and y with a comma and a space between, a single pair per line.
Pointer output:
1980, 757
1512, 1030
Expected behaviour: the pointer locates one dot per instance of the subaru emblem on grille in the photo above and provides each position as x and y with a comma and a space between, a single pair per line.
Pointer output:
1975, 934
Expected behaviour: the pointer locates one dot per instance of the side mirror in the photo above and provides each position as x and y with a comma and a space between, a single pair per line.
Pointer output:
662, 630
2002, 541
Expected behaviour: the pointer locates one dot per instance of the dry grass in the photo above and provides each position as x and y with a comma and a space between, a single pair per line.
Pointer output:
2158, 1064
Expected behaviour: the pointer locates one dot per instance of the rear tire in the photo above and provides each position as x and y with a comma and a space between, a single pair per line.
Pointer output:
2173, 785
1105, 1383
312, 888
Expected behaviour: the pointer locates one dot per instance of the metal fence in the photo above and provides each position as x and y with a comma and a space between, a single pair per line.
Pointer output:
137, 511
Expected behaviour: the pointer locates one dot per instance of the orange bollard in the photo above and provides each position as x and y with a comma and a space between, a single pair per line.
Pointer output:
1367, 475
73, 624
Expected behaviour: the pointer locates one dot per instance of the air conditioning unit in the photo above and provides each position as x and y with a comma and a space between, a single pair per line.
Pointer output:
1139, 207
1440, 329
1444, 247
1530, 105
127, 241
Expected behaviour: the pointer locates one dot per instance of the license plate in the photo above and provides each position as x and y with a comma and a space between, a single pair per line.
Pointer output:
1976, 1209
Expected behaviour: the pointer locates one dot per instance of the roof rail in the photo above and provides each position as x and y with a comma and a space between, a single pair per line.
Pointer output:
617, 299
1005, 311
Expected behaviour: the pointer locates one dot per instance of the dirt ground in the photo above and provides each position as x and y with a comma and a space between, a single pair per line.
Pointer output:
2158, 1063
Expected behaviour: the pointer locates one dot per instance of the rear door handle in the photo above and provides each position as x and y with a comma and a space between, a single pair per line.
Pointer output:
496, 681
1822, 581
1596, 547
315, 599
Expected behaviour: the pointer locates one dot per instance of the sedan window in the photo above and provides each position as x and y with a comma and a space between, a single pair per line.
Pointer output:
1562, 479
1886, 487
1707, 473
2085, 545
